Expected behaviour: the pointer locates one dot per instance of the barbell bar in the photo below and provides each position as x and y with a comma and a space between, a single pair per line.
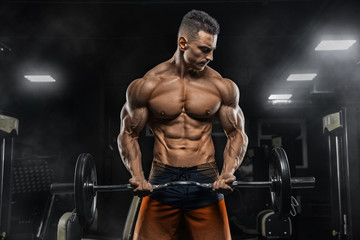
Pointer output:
85, 186
68, 188
296, 183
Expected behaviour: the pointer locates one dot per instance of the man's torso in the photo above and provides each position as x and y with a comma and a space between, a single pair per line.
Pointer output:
182, 112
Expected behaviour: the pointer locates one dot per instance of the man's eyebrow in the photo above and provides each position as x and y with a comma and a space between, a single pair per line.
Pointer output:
210, 48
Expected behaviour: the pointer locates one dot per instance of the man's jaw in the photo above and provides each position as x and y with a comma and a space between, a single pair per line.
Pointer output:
203, 64
198, 67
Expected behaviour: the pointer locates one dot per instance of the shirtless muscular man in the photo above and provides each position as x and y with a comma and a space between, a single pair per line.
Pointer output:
180, 99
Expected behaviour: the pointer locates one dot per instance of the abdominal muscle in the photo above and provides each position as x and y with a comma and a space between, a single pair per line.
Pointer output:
183, 142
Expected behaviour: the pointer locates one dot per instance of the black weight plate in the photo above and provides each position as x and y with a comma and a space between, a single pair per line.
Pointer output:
281, 178
85, 198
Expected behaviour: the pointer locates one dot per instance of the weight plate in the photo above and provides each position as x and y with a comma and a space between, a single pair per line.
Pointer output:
85, 197
281, 179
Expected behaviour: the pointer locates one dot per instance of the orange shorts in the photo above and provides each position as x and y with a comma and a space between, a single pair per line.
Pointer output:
158, 221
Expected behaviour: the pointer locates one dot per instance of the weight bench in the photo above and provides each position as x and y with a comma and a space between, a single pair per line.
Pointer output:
69, 227
268, 226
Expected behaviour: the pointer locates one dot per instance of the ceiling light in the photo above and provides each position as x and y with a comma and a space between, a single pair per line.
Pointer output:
280, 101
301, 77
40, 78
332, 45
280, 96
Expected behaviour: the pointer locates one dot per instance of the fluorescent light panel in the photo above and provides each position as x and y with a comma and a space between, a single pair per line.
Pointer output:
40, 78
301, 77
280, 96
333, 45
280, 101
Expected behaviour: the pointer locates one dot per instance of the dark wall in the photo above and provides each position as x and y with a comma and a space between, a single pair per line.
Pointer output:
63, 126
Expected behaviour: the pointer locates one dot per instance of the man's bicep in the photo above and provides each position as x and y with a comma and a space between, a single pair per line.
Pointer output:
133, 119
231, 118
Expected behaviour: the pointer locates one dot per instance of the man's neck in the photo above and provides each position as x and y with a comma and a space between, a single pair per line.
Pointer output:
181, 67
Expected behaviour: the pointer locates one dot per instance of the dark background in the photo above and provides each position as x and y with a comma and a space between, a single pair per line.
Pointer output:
95, 49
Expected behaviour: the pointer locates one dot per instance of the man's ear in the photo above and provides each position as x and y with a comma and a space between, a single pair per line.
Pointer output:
183, 43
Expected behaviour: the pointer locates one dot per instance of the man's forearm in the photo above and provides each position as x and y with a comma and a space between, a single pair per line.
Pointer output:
131, 155
234, 152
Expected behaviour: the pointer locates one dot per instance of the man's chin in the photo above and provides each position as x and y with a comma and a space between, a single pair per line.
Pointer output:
199, 69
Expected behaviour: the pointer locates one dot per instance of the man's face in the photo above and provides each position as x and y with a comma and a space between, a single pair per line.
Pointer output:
200, 51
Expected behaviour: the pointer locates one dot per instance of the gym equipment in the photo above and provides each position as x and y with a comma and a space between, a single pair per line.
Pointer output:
9, 128
85, 185
342, 131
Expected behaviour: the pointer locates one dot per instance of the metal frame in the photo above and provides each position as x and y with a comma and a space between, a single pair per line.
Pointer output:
302, 137
6, 183
344, 166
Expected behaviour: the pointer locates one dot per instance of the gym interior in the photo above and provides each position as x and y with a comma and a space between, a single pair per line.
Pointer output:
295, 91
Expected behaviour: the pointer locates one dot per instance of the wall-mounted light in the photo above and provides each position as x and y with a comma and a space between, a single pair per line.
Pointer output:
333, 45
301, 77
40, 78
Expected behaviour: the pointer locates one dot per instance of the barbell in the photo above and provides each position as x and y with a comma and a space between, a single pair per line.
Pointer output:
85, 186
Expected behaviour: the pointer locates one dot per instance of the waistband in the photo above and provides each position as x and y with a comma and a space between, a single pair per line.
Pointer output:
203, 173
185, 197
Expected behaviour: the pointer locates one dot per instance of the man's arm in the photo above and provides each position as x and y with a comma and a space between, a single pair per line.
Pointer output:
134, 115
232, 120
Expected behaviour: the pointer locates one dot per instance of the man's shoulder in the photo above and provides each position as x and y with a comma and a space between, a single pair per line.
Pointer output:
159, 70
226, 87
142, 85
219, 80
140, 90
151, 79
212, 74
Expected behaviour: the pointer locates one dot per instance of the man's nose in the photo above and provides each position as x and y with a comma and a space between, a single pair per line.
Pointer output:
210, 56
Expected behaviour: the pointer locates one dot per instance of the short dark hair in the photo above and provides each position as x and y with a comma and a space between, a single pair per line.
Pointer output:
195, 21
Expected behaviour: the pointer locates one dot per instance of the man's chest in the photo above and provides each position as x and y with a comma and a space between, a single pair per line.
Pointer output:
196, 99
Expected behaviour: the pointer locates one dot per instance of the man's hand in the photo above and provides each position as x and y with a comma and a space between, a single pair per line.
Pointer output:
222, 184
141, 186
